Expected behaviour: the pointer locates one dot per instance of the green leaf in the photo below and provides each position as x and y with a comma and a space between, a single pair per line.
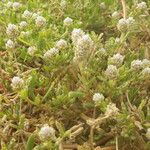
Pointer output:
30, 142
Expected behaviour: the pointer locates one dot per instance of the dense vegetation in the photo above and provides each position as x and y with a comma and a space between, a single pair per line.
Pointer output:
75, 74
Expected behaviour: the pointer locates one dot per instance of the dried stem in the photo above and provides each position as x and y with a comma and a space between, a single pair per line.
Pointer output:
124, 9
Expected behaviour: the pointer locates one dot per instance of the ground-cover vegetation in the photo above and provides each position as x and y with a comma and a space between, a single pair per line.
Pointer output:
75, 74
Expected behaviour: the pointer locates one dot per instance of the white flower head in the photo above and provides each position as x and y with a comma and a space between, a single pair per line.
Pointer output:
115, 14
83, 47
102, 5
117, 59
17, 83
16, 6
117, 40
111, 72
12, 30
32, 50
130, 22
47, 132
63, 4
148, 133
10, 44
142, 6
26, 34
35, 15
102, 51
23, 24
145, 63
76, 34
50, 53
136, 64
40, 21
27, 14
98, 97
61, 44
146, 72
111, 110
122, 25
68, 21
9, 4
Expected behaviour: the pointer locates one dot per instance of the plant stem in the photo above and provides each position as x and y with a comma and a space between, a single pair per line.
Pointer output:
124, 9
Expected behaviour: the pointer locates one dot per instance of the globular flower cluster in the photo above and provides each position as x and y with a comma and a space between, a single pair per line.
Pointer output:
17, 83
125, 24
144, 65
10, 44
12, 30
111, 72
50, 53
23, 24
98, 97
68, 21
32, 50
40, 21
142, 6
115, 14
136, 64
83, 44
111, 110
14, 5
117, 60
27, 14
61, 44
47, 132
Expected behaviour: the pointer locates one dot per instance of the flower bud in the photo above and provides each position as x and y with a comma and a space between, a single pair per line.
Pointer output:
68, 21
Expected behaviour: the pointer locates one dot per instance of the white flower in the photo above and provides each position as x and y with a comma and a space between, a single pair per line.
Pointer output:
63, 4
117, 40
35, 15
76, 34
32, 50
83, 48
111, 72
146, 72
102, 51
50, 53
102, 5
111, 110
27, 14
97, 97
9, 4
17, 82
145, 63
117, 59
16, 5
122, 24
130, 21
40, 21
12, 30
23, 24
115, 14
136, 64
61, 44
142, 6
27, 33
148, 133
68, 21
26, 124
10, 44
47, 132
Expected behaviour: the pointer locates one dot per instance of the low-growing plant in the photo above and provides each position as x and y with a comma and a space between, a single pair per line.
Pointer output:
75, 74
